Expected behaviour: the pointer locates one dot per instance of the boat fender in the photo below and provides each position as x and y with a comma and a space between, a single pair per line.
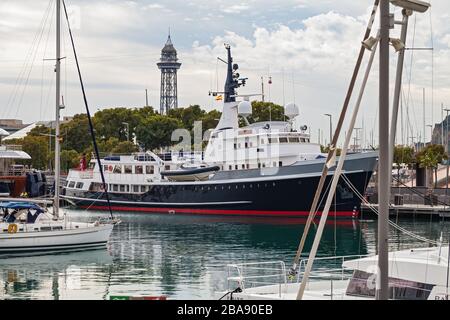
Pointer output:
12, 228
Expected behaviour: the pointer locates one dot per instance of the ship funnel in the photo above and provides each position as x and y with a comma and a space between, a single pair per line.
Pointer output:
291, 110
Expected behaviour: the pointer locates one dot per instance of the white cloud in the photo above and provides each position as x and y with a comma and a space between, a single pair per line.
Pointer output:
237, 8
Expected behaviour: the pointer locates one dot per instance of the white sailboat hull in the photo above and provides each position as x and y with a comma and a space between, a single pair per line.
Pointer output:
66, 239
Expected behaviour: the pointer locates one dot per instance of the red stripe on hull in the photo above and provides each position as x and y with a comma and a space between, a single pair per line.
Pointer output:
341, 214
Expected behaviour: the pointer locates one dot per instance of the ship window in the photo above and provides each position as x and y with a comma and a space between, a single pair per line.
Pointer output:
280, 163
307, 140
283, 139
273, 140
71, 184
294, 139
122, 188
243, 166
115, 187
79, 185
302, 140
262, 141
135, 188
57, 228
149, 170
128, 169
166, 167
259, 164
236, 166
138, 170
264, 165
105, 168
248, 166
117, 169
246, 145
143, 188
235, 146
230, 167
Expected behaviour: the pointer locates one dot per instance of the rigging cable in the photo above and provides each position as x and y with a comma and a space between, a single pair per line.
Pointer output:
26, 64
373, 209
91, 127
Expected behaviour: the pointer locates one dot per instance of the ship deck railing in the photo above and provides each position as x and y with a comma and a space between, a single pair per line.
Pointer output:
273, 274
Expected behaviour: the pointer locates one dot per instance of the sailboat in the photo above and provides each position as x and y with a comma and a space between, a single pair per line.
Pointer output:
27, 225
414, 274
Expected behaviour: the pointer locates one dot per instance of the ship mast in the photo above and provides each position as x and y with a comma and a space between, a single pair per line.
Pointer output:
58, 108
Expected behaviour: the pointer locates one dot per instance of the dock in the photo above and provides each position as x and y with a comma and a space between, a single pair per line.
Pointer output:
410, 210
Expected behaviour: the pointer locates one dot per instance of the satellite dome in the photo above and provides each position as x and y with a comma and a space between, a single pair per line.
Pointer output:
291, 110
245, 108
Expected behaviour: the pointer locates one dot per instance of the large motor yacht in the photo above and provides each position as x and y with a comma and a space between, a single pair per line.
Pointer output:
267, 168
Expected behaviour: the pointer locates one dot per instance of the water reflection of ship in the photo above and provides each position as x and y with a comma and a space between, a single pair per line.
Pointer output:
183, 252
54, 276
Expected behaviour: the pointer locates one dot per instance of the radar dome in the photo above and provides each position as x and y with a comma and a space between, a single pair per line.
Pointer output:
291, 110
245, 108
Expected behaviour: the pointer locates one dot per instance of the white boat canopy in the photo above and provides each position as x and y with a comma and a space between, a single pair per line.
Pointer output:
3, 133
6, 153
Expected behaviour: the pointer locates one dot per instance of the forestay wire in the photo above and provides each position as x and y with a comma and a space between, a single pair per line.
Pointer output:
91, 127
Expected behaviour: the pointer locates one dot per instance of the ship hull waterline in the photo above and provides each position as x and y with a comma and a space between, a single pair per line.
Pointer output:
288, 197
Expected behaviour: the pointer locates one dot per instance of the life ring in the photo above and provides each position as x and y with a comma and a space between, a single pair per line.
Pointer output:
12, 228
110, 168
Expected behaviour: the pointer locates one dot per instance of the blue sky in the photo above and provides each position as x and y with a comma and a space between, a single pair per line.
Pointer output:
309, 48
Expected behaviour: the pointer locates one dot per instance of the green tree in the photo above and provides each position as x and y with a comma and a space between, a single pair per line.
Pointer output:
109, 123
187, 115
40, 131
156, 131
265, 111
403, 154
38, 149
430, 157
69, 159
76, 134
210, 119
142, 113
124, 147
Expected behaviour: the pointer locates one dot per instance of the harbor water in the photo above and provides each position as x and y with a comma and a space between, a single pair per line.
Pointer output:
185, 257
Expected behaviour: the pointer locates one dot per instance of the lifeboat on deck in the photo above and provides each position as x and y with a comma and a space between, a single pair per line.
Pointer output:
191, 173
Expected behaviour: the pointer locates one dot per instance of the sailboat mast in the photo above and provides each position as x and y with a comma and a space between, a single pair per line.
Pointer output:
384, 184
58, 106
